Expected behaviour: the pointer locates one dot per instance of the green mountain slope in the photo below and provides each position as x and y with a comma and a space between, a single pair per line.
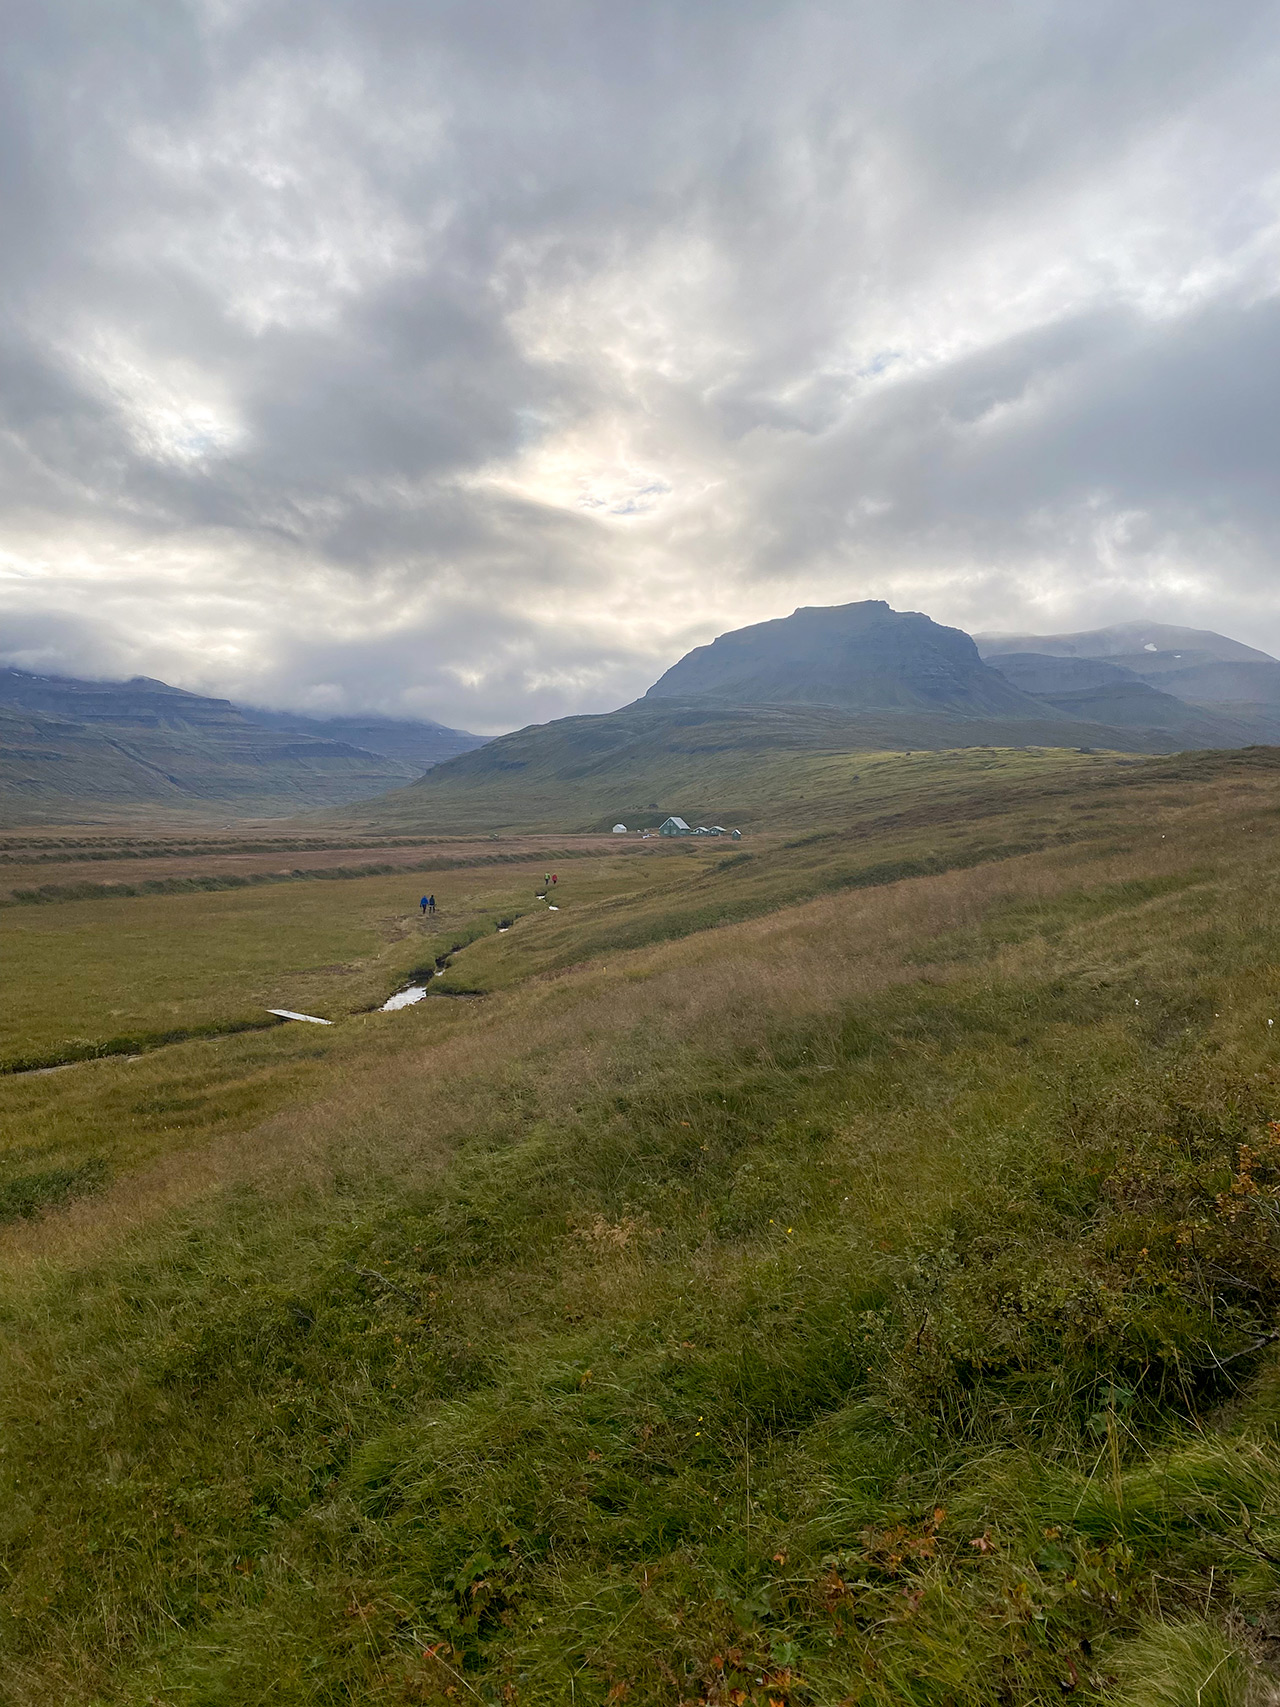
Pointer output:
418, 743
47, 762
710, 762
69, 746
770, 719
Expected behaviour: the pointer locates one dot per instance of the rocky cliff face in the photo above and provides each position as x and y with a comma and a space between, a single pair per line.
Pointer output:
860, 655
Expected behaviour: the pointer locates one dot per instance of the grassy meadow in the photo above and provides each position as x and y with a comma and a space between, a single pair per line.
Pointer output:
714, 764
111, 974
836, 1267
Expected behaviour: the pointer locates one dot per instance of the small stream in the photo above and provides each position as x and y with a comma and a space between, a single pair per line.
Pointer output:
420, 987
407, 997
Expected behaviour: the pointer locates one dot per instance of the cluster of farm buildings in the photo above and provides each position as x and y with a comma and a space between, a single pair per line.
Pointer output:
678, 827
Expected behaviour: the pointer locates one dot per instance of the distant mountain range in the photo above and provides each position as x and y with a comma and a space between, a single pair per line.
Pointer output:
67, 745
857, 677
1147, 665
1162, 685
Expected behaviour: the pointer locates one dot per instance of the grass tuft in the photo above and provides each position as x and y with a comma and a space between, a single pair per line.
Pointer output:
1187, 1664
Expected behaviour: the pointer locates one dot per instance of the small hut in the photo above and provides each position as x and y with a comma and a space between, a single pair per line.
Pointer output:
619, 829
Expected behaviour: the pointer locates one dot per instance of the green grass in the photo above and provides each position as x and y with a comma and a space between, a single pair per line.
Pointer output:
135, 968
713, 764
790, 1284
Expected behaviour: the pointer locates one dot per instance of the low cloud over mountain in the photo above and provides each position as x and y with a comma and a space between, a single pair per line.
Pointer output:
472, 362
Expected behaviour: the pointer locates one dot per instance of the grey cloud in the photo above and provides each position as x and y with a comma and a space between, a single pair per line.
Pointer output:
475, 358
1104, 412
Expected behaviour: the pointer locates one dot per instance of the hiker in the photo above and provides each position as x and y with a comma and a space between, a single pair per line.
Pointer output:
554, 878
426, 902
431, 904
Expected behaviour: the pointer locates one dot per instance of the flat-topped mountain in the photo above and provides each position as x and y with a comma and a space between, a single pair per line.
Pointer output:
849, 678
864, 656
714, 736
68, 744
140, 703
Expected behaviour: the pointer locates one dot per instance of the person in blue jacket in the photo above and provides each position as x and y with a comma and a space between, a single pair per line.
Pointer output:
426, 902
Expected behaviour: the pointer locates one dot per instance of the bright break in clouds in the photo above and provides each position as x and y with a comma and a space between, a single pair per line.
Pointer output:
473, 359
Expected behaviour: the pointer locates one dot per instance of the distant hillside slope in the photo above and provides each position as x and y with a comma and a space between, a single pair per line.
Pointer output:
67, 744
864, 656
1234, 686
1110, 693
708, 761
1213, 682
1124, 640
419, 743
1046, 673
48, 762
1138, 707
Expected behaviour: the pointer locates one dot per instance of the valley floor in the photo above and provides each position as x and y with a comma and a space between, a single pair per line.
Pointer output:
837, 1267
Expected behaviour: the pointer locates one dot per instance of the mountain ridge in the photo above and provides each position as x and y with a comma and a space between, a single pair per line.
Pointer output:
846, 679
864, 656
1123, 639
416, 741
1237, 687
715, 735
69, 744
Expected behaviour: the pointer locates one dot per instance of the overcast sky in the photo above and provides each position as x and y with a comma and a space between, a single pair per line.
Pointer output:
474, 360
